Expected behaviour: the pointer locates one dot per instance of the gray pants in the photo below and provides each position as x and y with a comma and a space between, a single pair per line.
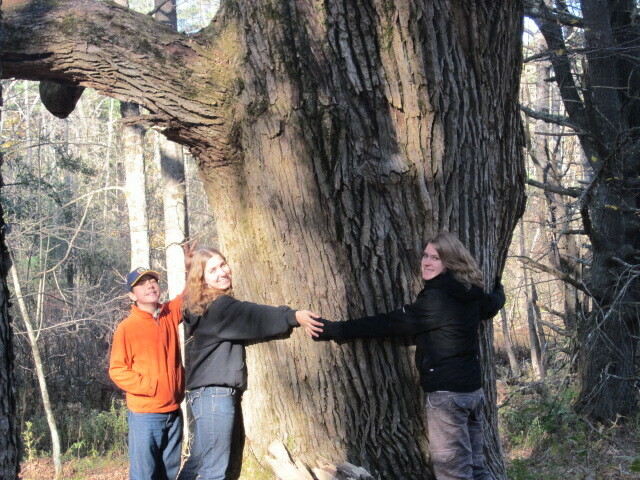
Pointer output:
455, 435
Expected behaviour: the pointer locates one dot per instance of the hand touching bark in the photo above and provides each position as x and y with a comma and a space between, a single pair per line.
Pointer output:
307, 319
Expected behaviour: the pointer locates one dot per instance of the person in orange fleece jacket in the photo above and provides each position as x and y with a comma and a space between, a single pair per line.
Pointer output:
146, 364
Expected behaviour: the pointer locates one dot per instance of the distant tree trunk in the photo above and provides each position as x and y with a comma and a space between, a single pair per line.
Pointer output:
174, 194
135, 181
333, 139
564, 250
42, 381
535, 300
538, 338
174, 200
607, 369
508, 345
135, 187
537, 360
9, 458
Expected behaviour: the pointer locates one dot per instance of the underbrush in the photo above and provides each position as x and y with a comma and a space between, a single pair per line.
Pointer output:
545, 439
83, 432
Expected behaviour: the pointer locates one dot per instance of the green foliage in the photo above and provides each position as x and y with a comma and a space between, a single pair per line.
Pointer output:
544, 438
101, 432
74, 163
533, 421
29, 441
520, 470
69, 24
83, 432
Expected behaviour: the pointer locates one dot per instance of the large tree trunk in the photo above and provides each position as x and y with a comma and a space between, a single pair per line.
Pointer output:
9, 456
333, 138
358, 142
9, 459
607, 373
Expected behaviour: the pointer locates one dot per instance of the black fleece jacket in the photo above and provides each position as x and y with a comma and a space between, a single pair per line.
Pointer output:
444, 320
215, 353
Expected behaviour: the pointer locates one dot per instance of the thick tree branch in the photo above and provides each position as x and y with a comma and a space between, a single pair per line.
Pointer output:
570, 192
539, 10
550, 310
556, 329
552, 271
547, 117
126, 55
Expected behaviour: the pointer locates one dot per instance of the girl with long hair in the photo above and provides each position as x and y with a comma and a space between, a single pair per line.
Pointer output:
444, 320
218, 326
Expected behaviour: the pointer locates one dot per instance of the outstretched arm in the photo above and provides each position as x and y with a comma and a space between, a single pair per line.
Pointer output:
232, 319
411, 319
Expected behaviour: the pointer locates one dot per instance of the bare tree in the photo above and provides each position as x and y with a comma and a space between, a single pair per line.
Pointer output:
506, 333
594, 48
61, 261
42, 381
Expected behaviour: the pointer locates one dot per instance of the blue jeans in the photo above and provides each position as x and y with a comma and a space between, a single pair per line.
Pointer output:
456, 440
213, 410
155, 441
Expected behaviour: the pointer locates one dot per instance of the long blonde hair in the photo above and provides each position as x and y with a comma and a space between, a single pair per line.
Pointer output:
457, 259
198, 295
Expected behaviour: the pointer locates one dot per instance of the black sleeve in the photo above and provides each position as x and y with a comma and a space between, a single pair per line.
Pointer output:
233, 319
491, 303
412, 319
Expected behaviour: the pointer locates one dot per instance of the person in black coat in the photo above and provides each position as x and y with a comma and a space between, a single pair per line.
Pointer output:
219, 326
444, 320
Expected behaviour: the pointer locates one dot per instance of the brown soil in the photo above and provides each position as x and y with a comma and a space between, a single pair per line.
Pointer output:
42, 469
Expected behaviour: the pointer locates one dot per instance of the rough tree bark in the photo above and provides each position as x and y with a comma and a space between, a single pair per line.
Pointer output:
604, 109
9, 452
333, 138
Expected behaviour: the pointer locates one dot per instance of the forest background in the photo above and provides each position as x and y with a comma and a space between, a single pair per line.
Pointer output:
65, 197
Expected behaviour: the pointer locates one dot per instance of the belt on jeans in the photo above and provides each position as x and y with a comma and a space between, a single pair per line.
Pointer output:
232, 390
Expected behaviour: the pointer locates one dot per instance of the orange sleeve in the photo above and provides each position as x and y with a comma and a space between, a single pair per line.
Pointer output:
175, 307
121, 372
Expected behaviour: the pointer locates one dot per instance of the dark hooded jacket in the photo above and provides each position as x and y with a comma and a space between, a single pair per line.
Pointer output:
444, 320
215, 351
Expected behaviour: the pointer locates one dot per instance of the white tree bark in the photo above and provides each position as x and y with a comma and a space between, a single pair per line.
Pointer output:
135, 190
